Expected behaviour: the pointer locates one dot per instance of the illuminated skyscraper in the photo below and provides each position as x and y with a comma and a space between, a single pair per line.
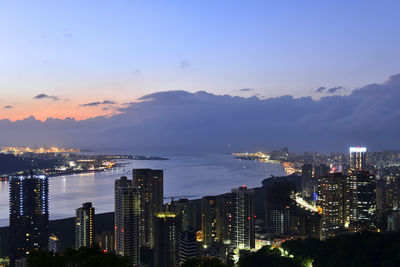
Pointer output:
166, 227
243, 218
334, 197
363, 201
127, 222
84, 222
150, 185
358, 158
29, 214
209, 217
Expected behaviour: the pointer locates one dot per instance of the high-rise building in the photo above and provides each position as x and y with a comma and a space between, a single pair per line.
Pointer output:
358, 158
393, 221
279, 206
243, 218
127, 220
106, 241
209, 217
84, 226
321, 170
150, 185
363, 201
225, 217
182, 208
54, 243
187, 245
166, 227
334, 199
29, 214
306, 177
195, 213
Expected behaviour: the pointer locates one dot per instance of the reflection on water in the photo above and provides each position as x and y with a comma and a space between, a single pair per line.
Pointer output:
184, 176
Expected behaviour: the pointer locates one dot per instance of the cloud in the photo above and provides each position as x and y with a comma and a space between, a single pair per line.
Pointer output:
98, 103
45, 96
136, 72
335, 89
185, 64
8, 107
246, 89
320, 90
175, 121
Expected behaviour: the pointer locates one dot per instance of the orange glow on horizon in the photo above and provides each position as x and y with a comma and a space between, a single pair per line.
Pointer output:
55, 109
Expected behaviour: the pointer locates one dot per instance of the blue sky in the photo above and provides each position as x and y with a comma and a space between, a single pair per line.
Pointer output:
85, 51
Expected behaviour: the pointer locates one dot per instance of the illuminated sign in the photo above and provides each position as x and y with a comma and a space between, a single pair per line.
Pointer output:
358, 149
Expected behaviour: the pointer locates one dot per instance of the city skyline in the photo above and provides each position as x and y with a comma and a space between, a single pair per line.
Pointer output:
199, 133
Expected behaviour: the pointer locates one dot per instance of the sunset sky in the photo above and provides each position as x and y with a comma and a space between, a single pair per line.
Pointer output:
57, 56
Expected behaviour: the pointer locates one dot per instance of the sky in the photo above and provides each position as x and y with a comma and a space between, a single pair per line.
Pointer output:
83, 59
187, 122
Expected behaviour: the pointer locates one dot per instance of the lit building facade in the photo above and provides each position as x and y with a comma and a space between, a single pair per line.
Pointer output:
84, 226
334, 199
29, 214
127, 220
106, 241
243, 218
363, 203
150, 185
54, 243
209, 217
358, 158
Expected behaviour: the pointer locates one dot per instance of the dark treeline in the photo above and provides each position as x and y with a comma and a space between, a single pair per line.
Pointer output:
83, 257
12, 164
361, 249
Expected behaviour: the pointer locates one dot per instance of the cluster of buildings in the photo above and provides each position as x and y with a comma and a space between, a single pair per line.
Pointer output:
319, 203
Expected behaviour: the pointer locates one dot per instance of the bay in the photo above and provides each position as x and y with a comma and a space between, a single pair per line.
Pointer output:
189, 176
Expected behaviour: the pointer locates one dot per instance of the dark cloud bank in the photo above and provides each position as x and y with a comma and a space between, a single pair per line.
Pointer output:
178, 121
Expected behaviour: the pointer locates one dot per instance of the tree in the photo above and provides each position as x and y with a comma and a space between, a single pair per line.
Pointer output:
266, 257
203, 262
83, 257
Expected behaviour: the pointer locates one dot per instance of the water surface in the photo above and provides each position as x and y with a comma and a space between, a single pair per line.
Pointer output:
184, 176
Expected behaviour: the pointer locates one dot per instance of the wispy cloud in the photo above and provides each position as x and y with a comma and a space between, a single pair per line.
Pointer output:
8, 107
332, 90
335, 89
185, 64
98, 103
45, 96
246, 89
